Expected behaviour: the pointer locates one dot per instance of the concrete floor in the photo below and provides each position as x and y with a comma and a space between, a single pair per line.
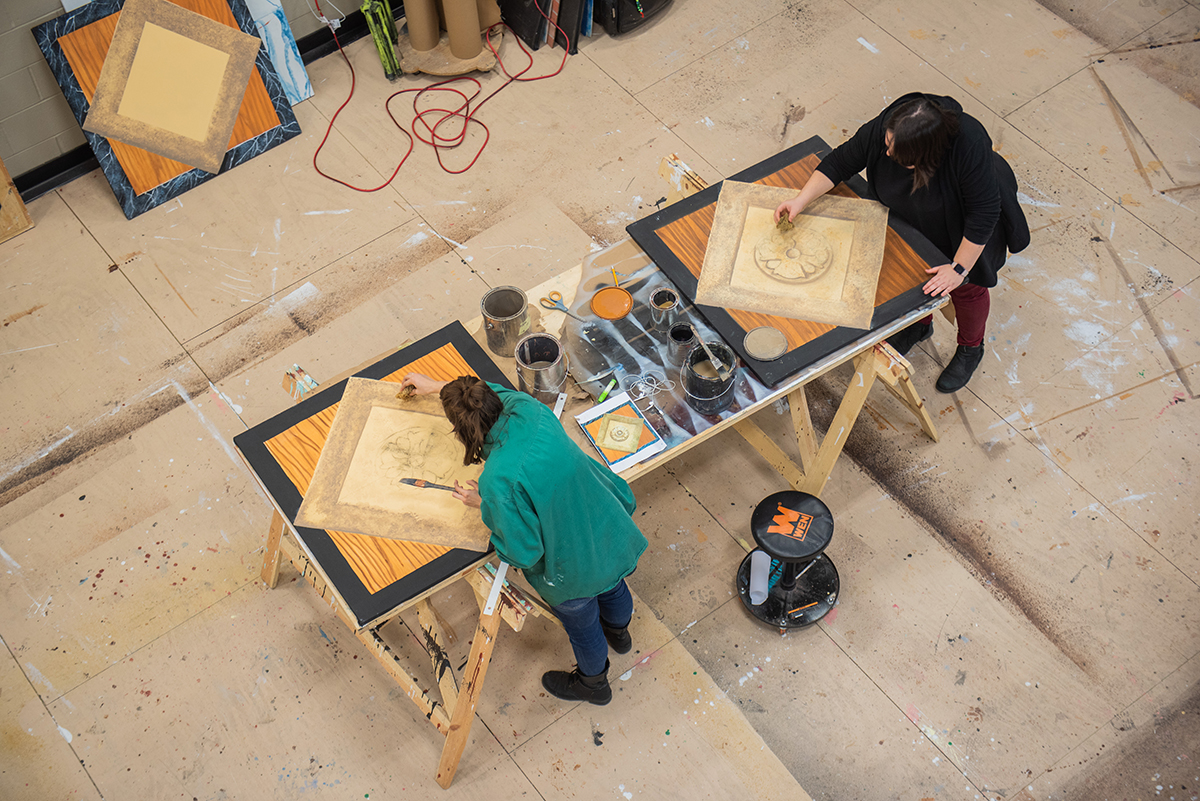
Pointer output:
1014, 615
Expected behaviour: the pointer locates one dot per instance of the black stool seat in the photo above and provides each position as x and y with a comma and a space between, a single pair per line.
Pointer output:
792, 526
794, 529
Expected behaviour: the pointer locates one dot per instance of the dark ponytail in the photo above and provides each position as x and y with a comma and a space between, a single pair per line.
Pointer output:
472, 407
921, 134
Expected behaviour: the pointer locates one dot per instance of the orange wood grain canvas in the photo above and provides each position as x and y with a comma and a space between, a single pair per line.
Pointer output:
86, 49
376, 561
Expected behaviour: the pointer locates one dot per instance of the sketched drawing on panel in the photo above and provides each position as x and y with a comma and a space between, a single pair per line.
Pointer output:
399, 443
375, 440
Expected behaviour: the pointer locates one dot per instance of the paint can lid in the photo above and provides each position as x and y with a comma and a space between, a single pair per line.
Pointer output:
765, 343
612, 303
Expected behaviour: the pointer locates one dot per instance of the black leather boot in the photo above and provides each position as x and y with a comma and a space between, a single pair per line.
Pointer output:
960, 369
906, 339
618, 638
575, 686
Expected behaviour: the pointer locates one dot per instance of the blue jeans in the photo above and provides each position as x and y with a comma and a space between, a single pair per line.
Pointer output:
581, 618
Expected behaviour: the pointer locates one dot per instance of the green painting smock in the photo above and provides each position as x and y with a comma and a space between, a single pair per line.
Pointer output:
560, 516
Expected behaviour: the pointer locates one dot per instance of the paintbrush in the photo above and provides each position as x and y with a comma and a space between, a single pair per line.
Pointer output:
421, 483
716, 363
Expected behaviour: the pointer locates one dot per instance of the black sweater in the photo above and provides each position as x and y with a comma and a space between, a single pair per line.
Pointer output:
963, 199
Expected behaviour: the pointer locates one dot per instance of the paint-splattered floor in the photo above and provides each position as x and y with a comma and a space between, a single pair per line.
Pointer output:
1017, 617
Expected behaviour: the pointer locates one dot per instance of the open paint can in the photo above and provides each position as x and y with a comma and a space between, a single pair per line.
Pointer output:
541, 367
703, 387
612, 303
664, 307
680, 341
505, 318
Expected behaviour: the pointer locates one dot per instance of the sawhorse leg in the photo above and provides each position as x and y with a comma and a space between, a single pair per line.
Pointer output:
454, 715
278, 548
843, 421
270, 566
896, 373
817, 462
464, 707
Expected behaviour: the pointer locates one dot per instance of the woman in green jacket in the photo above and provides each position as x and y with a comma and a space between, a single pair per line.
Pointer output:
560, 516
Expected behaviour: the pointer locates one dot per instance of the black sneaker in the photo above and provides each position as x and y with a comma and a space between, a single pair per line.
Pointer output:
618, 638
960, 369
575, 686
906, 339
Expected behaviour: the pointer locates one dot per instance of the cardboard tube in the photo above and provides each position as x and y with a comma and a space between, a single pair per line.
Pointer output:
423, 30
489, 13
462, 23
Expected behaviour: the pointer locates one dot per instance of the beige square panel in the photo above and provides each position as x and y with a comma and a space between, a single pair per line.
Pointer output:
172, 83
383, 470
396, 444
823, 268
167, 67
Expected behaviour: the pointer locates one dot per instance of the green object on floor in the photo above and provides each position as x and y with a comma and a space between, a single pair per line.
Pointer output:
383, 30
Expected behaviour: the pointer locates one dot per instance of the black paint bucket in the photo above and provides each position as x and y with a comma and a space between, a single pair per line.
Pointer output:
703, 387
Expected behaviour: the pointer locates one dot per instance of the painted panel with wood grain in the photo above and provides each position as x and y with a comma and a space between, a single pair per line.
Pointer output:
376, 561
86, 49
687, 238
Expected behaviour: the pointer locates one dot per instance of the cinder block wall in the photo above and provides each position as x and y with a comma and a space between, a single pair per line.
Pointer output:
36, 125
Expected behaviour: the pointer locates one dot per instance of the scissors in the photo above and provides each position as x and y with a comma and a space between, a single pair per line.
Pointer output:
554, 302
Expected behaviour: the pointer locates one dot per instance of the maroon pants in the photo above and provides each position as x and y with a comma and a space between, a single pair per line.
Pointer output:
971, 306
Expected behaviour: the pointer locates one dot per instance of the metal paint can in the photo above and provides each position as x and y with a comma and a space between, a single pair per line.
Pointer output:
708, 394
505, 318
541, 367
664, 307
680, 341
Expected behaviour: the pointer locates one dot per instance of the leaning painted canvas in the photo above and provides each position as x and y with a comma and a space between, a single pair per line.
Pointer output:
276, 33
822, 267
379, 446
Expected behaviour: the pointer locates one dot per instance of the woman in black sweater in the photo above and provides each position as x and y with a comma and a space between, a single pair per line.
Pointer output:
933, 165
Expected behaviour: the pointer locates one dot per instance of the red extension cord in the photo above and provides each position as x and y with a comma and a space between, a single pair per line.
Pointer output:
464, 111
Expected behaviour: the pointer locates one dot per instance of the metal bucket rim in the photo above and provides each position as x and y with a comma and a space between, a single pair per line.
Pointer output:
562, 352
523, 306
654, 292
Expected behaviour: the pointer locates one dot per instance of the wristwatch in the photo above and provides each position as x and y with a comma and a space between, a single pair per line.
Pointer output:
958, 268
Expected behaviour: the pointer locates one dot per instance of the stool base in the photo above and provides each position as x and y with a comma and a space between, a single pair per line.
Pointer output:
810, 600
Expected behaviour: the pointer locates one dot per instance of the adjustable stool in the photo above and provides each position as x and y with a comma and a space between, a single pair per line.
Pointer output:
793, 528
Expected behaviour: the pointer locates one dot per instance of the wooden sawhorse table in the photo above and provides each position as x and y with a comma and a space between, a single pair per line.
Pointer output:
369, 581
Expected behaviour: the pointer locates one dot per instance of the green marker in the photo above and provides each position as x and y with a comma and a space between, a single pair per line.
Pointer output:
607, 389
